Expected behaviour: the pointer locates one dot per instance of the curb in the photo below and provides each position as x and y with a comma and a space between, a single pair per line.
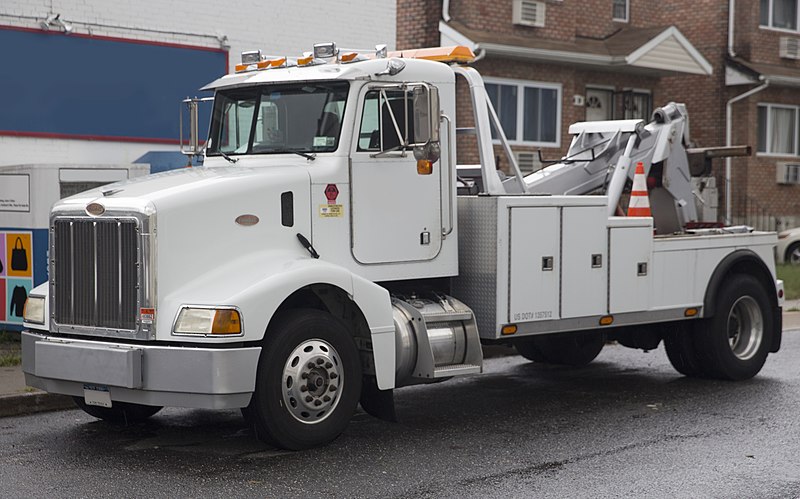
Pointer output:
29, 403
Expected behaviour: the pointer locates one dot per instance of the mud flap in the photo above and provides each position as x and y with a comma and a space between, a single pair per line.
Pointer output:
377, 403
778, 330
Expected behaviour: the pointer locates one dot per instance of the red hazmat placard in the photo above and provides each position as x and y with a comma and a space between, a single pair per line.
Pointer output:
331, 192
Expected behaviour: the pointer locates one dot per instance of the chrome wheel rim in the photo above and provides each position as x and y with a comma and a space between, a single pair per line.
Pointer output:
745, 328
312, 380
794, 256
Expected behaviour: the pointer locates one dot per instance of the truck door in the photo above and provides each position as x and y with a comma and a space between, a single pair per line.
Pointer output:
396, 211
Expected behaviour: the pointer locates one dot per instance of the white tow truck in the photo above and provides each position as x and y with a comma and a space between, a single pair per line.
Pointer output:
331, 250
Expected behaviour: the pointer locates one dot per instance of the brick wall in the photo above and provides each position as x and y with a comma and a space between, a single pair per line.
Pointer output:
418, 23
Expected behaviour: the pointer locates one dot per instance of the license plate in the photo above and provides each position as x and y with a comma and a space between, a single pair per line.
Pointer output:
97, 395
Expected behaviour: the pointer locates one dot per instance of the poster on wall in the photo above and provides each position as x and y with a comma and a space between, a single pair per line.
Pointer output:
16, 274
15, 192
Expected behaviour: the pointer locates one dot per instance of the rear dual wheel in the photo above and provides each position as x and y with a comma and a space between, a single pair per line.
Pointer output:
734, 343
308, 381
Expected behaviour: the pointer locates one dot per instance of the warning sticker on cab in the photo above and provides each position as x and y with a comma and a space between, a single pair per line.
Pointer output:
331, 210
147, 315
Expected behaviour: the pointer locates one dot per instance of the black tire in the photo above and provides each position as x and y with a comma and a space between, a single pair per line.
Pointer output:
572, 349
681, 352
120, 413
793, 254
529, 349
734, 344
310, 353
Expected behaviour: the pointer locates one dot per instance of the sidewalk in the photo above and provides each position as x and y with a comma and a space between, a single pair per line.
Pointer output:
17, 399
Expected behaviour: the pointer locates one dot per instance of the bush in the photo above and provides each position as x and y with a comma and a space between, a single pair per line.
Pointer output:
791, 280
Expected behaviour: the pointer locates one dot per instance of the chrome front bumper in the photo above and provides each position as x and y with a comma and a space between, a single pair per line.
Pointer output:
210, 378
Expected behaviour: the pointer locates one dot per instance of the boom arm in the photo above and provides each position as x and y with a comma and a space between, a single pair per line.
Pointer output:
601, 153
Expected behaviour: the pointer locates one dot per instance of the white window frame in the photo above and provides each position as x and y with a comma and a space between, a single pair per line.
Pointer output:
521, 85
769, 19
628, 12
770, 154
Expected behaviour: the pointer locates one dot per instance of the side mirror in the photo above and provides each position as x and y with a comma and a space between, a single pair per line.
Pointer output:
426, 123
426, 114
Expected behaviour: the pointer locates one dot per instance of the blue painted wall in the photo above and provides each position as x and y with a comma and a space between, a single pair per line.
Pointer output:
79, 85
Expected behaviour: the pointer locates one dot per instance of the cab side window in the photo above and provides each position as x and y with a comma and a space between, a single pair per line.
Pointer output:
387, 121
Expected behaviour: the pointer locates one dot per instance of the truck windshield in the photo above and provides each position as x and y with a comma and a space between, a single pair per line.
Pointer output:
275, 119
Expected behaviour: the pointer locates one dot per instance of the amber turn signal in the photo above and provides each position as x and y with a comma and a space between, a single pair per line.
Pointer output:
424, 167
226, 322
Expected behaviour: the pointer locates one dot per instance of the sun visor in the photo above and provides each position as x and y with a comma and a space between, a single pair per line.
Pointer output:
227, 80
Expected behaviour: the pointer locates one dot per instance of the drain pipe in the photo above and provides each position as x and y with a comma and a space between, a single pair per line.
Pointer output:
728, 138
729, 109
731, 17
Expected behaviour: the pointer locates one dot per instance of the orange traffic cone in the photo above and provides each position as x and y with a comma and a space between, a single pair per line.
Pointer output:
639, 205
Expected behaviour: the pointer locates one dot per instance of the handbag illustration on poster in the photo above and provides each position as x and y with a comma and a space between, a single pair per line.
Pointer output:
19, 257
18, 298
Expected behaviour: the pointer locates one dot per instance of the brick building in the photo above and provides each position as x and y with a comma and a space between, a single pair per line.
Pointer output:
550, 63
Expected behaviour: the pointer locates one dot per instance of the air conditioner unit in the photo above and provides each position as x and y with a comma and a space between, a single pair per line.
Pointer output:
789, 47
787, 173
529, 13
527, 161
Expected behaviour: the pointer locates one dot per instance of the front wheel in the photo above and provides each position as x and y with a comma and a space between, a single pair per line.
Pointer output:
308, 382
121, 413
735, 342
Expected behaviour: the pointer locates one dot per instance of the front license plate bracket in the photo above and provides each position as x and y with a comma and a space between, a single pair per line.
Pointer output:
98, 395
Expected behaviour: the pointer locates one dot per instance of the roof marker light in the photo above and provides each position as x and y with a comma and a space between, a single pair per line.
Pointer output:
251, 57
325, 50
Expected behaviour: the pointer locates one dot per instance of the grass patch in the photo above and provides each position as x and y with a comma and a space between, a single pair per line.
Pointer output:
10, 359
10, 336
791, 280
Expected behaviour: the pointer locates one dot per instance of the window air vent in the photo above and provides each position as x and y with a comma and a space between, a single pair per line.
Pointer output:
527, 162
529, 13
789, 47
787, 173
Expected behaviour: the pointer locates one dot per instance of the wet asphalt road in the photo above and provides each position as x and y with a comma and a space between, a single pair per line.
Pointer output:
625, 426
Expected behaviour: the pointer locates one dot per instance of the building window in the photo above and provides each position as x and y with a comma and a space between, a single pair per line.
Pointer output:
777, 129
637, 104
529, 112
779, 14
619, 10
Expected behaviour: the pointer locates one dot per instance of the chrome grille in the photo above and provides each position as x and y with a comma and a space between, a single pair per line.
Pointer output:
95, 273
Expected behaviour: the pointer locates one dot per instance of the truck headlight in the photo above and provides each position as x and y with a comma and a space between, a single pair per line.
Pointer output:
33, 311
208, 321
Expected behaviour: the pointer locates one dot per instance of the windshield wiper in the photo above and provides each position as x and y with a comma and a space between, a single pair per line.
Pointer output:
306, 155
230, 160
